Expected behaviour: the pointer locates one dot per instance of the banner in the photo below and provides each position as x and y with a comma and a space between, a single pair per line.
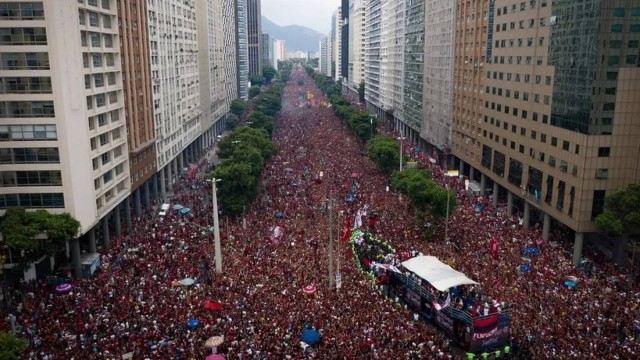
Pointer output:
493, 248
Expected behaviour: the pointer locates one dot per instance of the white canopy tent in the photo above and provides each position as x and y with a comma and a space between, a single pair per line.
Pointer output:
437, 273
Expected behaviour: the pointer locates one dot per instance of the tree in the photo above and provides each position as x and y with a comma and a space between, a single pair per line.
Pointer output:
423, 192
259, 138
238, 186
361, 91
238, 106
257, 80
254, 90
21, 230
10, 347
621, 216
261, 121
232, 121
385, 152
269, 73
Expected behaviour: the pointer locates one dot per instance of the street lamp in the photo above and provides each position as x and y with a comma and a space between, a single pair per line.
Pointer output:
216, 226
401, 138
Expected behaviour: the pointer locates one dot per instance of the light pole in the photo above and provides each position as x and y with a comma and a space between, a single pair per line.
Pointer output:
331, 242
216, 227
401, 138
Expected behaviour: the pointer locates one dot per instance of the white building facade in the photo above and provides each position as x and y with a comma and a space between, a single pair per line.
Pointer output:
336, 43
64, 142
325, 56
176, 83
391, 57
373, 14
357, 27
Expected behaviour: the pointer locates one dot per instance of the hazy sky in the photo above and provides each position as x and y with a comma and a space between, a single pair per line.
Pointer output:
315, 14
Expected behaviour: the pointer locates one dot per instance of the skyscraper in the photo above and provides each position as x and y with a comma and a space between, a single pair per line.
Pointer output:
413, 64
336, 44
344, 39
242, 49
356, 50
254, 37
325, 55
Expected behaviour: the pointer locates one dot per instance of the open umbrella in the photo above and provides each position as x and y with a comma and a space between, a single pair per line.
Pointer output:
215, 357
185, 211
531, 251
310, 336
192, 324
177, 207
525, 267
309, 289
278, 214
288, 170
212, 305
214, 341
63, 288
187, 282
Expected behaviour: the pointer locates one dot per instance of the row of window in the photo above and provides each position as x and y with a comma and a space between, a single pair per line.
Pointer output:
48, 200
618, 28
94, 19
106, 157
30, 178
29, 156
96, 39
98, 60
24, 61
26, 109
101, 100
21, 11
523, 24
520, 42
99, 80
25, 85
23, 36
521, 7
28, 133
105, 4
103, 139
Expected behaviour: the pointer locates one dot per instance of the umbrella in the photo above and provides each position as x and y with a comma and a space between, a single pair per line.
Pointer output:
294, 183
278, 214
185, 211
288, 170
570, 284
192, 324
212, 305
187, 281
350, 199
525, 267
214, 341
177, 207
215, 357
310, 336
310, 289
64, 288
531, 251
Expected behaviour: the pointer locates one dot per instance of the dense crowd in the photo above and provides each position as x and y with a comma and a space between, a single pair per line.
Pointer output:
132, 305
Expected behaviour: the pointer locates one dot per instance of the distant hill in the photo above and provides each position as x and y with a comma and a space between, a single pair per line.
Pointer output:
297, 38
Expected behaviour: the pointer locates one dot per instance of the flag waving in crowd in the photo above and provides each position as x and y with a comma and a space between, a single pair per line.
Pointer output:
493, 248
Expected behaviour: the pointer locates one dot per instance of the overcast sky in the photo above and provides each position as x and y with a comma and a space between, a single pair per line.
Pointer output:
315, 14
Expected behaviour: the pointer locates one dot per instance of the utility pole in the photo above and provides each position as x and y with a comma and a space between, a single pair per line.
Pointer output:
331, 277
216, 227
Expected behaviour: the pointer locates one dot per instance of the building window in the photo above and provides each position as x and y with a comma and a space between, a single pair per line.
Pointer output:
93, 19
560, 201
499, 163
563, 166
28, 133
554, 141
609, 107
515, 172
565, 145
23, 36
107, 177
29, 156
597, 204
100, 100
552, 161
602, 174
613, 60
634, 28
21, 11
604, 151
618, 12
616, 28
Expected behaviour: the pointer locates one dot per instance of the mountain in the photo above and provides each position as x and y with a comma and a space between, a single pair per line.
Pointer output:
297, 38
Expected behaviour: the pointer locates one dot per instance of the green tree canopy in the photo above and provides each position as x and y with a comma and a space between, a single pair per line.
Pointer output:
259, 138
385, 152
238, 186
423, 192
21, 230
254, 90
238, 106
10, 347
257, 80
232, 121
361, 91
621, 214
269, 73
261, 121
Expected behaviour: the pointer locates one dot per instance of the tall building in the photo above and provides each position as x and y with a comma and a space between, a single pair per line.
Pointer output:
357, 27
174, 67
438, 65
558, 127
62, 105
391, 60
373, 15
336, 44
229, 51
325, 56
268, 45
281, 50
136, 75
413, 64
242, 49
254, 37
344, 40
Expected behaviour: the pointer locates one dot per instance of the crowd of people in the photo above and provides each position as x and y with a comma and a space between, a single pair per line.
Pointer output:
132, 307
